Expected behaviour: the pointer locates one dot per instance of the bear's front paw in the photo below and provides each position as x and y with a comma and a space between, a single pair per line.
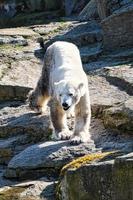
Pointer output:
64, 135
81, 138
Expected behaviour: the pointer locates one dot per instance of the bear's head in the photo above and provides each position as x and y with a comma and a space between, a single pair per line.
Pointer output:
69, 93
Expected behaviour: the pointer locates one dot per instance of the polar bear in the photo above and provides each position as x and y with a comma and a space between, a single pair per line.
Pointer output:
64, 82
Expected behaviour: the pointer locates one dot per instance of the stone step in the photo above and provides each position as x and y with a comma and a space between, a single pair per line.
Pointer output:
12, 146
119, 75
42, 188
125, 54
118, 29
17, 40
81, 34
15, 32
21, 121
49, 157
102, 63
114, 59
91, 52
112, 173
19, 78
120, 117
79, 39
13, 92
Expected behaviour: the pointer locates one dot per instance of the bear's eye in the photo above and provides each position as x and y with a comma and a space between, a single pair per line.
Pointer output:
70, 94
60, 95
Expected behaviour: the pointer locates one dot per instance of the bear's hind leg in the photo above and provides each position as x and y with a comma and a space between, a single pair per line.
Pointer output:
59, 121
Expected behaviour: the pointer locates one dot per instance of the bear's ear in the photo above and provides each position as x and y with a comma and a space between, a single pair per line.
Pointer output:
82, 89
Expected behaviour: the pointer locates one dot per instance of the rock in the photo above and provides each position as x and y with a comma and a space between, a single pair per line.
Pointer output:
108, 139
19, 40
120, 117
52, 5
40, 189
94, 66
102, 8
45, 158
4, 183
10, 146
121, 76
10, 92
49, 157
103, 94
89, 12
123, 54
34, 190
35, 5
114, 6
90, 53
25, 32
23, 73
21, 121
80, 34
117, 30
69, 6
104, 179
19, 79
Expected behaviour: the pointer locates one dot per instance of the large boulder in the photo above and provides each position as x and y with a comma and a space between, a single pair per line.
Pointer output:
118, 29
97, 178
45, 158
120, 117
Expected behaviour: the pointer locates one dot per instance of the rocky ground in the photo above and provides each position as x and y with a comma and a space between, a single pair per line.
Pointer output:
30, 162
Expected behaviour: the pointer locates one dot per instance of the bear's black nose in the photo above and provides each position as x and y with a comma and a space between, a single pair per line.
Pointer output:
65, 105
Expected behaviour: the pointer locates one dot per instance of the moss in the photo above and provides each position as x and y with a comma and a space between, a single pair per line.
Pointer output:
84, 160
11, 193
77, 163
11, 46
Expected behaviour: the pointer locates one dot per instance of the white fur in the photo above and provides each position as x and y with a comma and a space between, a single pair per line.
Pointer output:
68, 79
67, 65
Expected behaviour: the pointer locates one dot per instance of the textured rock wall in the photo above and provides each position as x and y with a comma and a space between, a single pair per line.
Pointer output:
114, 5
108, 180
118, 30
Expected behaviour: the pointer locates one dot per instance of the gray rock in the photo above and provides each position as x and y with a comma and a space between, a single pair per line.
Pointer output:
48, 157
10, 92
19, 31
19, 78
117, 30
90, 53
123, 75
19, 40
20, 120
110, 179
89, 11
7, 148
79, 33
35, 190
69, 5
94, 66
120, 117
103, 94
